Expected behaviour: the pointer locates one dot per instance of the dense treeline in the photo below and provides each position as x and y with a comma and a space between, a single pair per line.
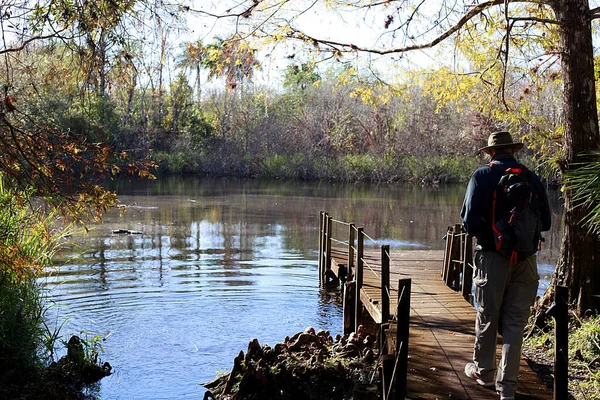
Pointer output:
319, 131
333, 126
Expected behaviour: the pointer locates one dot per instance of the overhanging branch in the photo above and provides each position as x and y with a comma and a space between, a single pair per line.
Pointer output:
475, 10
534, 19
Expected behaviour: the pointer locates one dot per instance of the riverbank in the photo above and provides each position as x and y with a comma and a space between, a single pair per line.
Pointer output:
69, 378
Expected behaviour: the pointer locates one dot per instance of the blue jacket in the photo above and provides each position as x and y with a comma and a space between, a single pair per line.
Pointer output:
476, 213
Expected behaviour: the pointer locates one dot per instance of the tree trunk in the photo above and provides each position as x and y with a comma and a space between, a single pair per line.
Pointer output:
198, 87
579, 260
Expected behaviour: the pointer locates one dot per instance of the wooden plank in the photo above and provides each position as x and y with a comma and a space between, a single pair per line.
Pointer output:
339, 269
372, 305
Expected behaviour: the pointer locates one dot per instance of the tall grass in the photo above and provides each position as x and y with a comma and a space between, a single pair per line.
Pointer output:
340, 168
27, 243
583, 352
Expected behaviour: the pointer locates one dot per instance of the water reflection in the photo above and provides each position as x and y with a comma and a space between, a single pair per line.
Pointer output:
218, 263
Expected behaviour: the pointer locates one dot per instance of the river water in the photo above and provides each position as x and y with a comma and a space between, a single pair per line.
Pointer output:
219, 262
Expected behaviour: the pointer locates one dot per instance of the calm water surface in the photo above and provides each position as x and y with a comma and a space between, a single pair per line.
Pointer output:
220, 262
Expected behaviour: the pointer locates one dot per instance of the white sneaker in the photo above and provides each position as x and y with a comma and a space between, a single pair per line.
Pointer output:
472, 372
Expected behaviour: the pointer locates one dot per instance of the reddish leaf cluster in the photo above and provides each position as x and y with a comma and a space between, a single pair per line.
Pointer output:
63, 167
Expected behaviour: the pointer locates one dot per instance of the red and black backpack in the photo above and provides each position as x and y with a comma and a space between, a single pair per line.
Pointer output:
516, 218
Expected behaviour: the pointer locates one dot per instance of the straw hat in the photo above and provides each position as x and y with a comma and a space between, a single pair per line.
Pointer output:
501, 139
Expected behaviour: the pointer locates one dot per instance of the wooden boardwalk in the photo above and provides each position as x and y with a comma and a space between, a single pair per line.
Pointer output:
441, 327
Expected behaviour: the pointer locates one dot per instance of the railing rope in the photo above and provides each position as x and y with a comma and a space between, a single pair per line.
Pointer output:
370, 238
338, 242
371, 268
340, 222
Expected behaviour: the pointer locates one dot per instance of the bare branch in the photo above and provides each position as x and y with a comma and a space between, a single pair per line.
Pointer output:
31, 39
475, 10
242, 14
534, 19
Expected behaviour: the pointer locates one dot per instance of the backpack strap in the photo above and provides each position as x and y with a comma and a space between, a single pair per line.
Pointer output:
494, 166
513, 170
494, 229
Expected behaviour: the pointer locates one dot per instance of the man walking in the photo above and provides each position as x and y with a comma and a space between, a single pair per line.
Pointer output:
505, 274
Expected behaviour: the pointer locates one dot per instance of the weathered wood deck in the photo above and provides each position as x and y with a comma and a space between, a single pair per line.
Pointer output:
441, 327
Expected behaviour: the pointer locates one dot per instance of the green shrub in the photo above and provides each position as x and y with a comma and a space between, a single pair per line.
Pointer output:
26, 247
585, 341
584, 354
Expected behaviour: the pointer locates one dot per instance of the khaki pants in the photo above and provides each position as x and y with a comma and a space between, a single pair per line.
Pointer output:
504, 295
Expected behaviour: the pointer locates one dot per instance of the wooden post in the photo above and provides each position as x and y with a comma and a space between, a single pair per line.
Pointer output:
328, 244
382, 336
467, 272
385, 283
452, 271
321, 218
322, 255
351, 251
463, 255
349, 304
560, 312
386, 373
359, 276
457, 258
403, 313
447, 253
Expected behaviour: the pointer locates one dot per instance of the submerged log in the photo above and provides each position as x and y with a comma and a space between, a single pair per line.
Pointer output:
126, 232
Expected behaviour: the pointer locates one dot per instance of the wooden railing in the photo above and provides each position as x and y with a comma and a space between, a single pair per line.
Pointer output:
351, 274
351, 271
354, 245
457, 270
